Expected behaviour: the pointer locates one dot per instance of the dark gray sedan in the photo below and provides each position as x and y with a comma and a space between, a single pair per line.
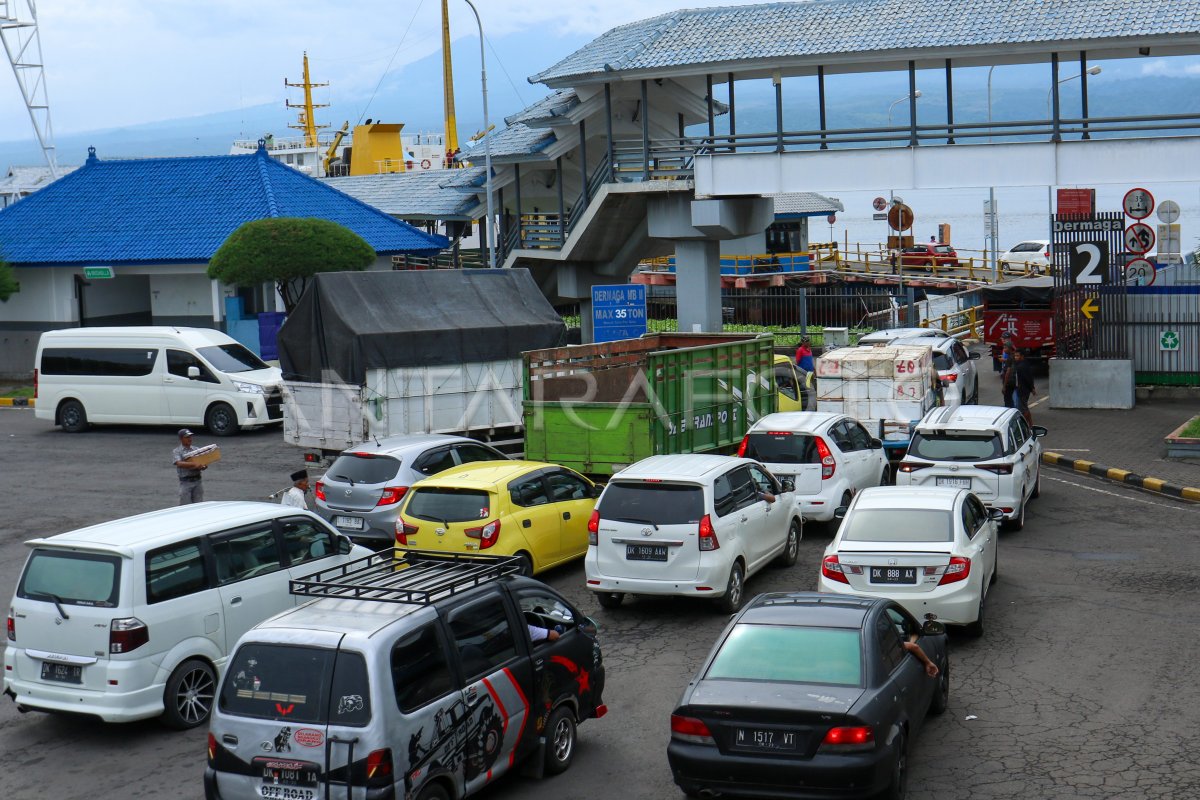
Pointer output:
808, 695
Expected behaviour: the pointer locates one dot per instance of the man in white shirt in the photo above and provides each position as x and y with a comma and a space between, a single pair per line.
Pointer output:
295, 496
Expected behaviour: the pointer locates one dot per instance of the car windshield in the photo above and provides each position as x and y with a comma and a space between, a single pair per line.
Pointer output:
297, 684
789, 653
652, 503
363, 468
447, 504
897, 525
232, 358
956, 446
941, 361
71, 578
783, 448
1028, 247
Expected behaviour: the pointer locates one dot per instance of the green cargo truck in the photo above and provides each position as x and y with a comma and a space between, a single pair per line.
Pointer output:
599, 408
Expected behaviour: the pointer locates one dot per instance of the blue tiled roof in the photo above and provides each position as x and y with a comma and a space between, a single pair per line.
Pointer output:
435, 194
180, 210
740, 34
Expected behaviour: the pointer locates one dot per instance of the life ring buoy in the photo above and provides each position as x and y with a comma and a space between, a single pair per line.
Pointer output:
426, 164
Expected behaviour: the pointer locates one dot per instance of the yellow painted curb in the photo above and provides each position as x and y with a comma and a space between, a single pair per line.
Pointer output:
1153, 483
1190, 493
1083, 466
1118, 474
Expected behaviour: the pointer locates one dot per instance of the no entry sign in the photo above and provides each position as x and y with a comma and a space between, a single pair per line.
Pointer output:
1138, 204
879, 204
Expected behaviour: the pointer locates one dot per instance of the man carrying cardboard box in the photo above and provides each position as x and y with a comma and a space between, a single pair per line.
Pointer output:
191, 488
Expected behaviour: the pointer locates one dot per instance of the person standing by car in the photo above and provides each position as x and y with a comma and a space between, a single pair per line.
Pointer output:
295, 496
191, 489
1023, 385
804, 355
1008, 380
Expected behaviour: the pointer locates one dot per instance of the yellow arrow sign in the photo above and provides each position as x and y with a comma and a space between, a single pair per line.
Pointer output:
1089, 307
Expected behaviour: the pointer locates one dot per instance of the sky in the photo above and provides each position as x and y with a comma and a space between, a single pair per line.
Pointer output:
123, 62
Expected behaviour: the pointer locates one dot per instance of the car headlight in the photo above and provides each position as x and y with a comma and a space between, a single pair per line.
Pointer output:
248, 388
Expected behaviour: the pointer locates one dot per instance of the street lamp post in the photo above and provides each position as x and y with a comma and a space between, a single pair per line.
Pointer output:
1090, 71
487, 143
917, 93
992, 67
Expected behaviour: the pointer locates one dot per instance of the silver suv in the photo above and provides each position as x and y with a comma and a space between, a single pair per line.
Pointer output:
360, 493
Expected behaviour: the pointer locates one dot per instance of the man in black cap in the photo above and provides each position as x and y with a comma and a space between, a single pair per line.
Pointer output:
295, 496
191, 489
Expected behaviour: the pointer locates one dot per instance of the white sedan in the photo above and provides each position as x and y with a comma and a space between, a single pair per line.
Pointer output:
931, 550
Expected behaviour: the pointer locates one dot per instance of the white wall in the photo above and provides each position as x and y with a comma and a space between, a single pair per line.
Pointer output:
47, 295
188, 295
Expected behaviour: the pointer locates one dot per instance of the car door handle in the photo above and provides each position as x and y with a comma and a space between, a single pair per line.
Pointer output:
566, 515
525, 523
745, 518
237, 601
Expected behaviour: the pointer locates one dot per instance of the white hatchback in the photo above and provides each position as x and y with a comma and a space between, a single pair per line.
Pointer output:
829, 457
989, 450
933, 551
691, 526
1031, 256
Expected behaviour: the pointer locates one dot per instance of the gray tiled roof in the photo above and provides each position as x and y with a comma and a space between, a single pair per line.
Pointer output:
435, 194
552, 105
816, 28
28, 178
806, 204
516, 140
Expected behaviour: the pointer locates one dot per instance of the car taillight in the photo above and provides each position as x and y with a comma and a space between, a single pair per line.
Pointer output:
391, 495
690, 729
743, 445
831, 568
487, 534
828, 464
949, 377
212, 748
12, 627
958, 570
379, 767
910, 466
35, 383
708, 536
127, 634
857, 738
403, 531
594, 528
319, 491
999, 469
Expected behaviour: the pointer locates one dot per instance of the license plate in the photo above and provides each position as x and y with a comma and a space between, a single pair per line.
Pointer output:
62, 673
645, 552
349, 523
759, 739
955, 483
893, 574
287, 780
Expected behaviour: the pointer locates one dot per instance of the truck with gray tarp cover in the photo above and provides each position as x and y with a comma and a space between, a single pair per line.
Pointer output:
375, 354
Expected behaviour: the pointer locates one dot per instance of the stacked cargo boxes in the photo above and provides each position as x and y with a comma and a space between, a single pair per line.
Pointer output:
884, 388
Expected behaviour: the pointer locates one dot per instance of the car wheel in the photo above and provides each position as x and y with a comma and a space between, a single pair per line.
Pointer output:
610, 599
1037, 485
72, 417
524, 564
734, 590
941, 697
975, 394
560, 740
434, 791
791, 549
886, 478
221, 420
1018, 523
188, 699
975, 629
898, 788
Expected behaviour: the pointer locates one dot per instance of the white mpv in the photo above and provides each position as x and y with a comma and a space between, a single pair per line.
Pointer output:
988, 450
134, 618
692, 526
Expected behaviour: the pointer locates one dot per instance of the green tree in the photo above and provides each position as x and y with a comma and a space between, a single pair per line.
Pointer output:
288, 251
8, 282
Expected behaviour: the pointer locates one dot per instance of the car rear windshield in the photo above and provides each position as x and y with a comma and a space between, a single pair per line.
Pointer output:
71, 578
446, 504
232, 358
956, 446
941, 361
897, 525
652, 503
783, 448
1028, 247
365, 468
294, 684
789, 653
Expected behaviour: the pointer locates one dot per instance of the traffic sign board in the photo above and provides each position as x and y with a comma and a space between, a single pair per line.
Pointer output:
879, 216
879, 204
900, 217
1168, 340
618, 312
1090, 307
832, 218
1168, 211
96, 273
1140, 272
1139, 238
1138, 203
1088, 261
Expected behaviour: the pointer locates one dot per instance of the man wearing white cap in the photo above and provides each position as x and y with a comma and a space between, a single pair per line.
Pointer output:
295, 496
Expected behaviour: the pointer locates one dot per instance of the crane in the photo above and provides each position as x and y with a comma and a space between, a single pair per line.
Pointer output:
448, 89
19, 32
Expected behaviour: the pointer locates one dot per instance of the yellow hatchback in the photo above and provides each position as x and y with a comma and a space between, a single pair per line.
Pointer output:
538, 512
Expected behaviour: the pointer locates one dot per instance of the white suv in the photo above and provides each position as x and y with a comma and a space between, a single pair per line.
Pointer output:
829, 457
989, 450
692, 526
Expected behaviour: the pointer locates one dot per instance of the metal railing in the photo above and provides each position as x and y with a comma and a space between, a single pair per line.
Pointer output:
659, 159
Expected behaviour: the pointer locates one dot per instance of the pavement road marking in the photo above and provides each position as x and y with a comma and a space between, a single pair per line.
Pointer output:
1118, 495
1039, 402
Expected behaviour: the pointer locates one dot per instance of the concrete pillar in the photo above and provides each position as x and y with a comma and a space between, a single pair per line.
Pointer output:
698, 285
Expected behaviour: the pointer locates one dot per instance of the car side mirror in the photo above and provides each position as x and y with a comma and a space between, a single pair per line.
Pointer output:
1039, 431
876, 444
932, 628
787, 485
193, 372
597, 491
975, 356
840, 512
344, 545
995, 513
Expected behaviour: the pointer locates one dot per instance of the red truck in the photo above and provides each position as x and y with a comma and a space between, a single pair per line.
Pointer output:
1024, 309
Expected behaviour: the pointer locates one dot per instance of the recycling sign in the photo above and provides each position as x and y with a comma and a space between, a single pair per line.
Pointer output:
1168, 340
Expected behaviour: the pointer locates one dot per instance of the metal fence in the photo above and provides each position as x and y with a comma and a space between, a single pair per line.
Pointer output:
1163, 334
1089, 302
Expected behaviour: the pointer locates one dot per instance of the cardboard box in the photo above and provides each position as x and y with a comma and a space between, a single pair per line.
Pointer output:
209, 454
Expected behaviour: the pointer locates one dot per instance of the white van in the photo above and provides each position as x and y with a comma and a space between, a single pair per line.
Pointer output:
134, 618
153, 376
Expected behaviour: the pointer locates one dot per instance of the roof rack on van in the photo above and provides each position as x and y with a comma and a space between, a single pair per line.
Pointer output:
416, 577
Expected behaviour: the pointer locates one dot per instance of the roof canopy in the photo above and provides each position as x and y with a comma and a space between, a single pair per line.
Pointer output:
349, 322
443, 194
